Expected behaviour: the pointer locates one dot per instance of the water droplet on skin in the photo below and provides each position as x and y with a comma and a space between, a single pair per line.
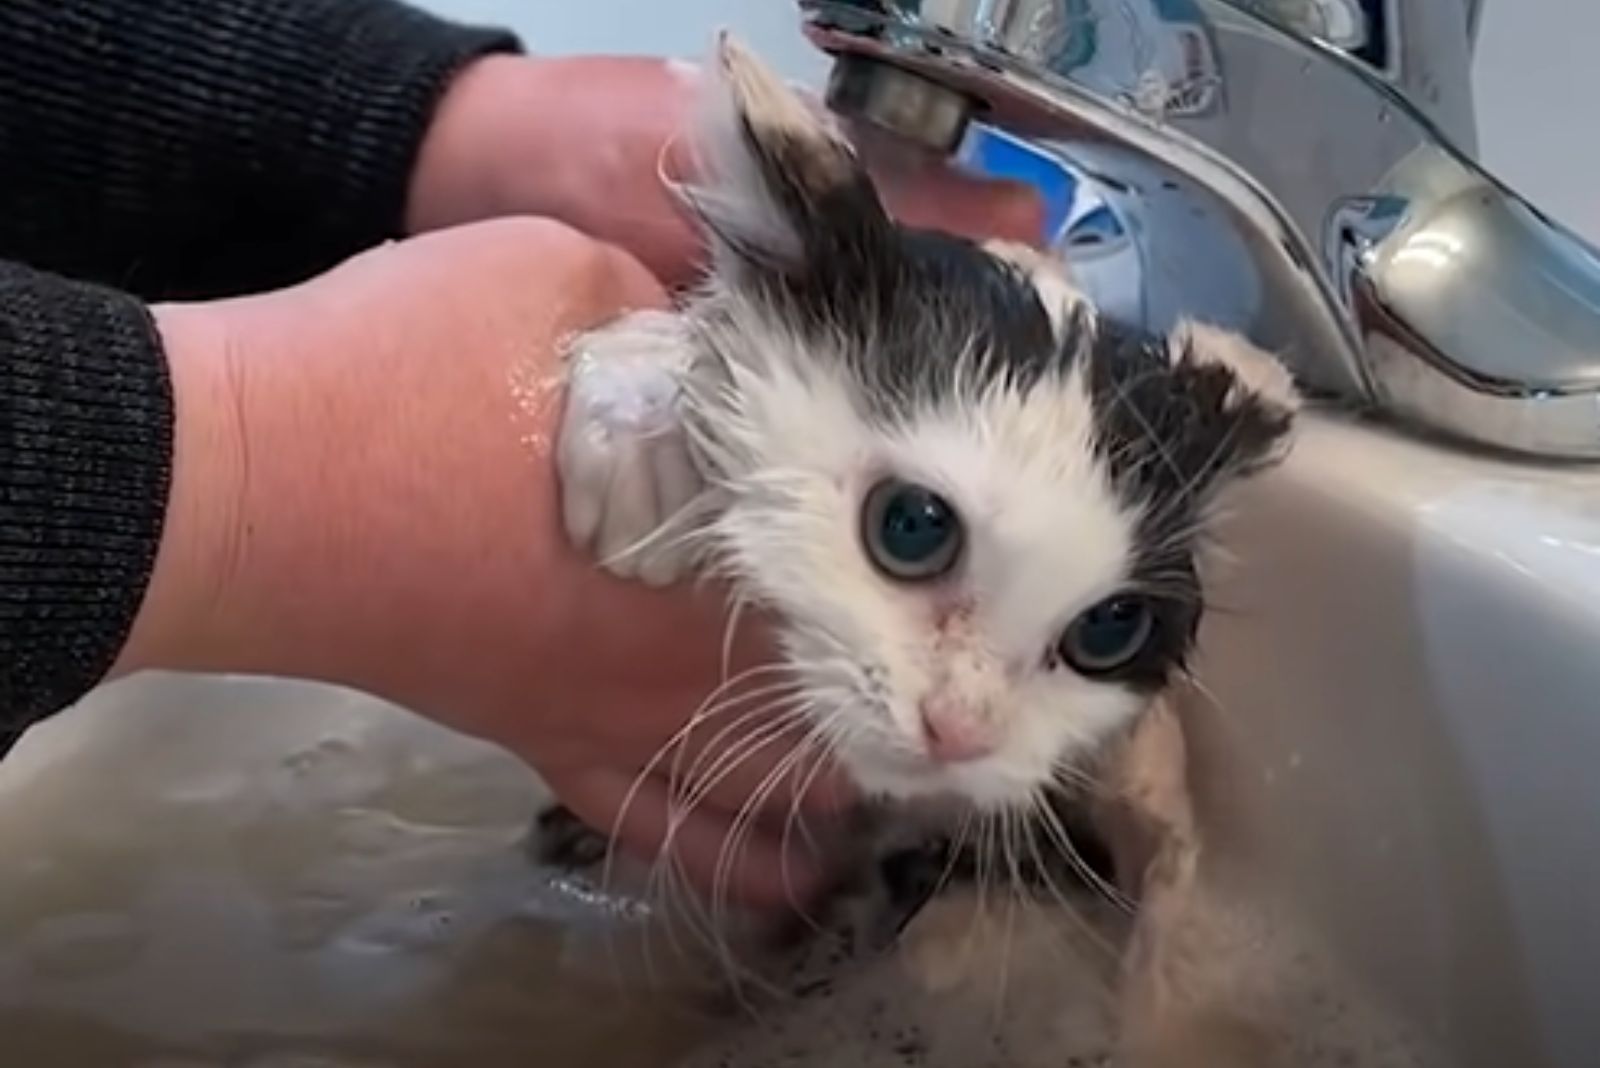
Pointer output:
1383, 115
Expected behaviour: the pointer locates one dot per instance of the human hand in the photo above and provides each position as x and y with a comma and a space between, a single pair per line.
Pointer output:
499, 145
364, 494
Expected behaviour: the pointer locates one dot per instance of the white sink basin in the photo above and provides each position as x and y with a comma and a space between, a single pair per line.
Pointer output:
1405, 666
1408, 684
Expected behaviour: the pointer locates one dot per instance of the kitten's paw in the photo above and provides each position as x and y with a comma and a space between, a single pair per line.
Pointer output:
627, 477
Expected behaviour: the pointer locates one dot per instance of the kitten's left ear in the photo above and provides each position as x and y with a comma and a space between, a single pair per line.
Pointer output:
776, 184
1258, 399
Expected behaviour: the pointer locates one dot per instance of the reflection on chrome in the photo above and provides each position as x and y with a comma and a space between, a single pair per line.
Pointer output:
1300, 170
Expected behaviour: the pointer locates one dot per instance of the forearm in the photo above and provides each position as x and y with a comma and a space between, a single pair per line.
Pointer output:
187, 148
320, 490
358, 478
271, 484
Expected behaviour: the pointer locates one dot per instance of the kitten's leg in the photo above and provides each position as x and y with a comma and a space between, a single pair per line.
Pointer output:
628, 482
1170, 1012
1145, 811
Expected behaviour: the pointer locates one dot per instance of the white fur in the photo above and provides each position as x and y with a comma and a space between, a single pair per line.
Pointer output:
788, 454
791, 451
1046, 539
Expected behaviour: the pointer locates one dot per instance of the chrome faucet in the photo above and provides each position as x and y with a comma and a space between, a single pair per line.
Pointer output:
1298, 170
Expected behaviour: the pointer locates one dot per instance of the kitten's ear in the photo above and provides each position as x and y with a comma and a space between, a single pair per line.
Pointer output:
1257, 401
775, 183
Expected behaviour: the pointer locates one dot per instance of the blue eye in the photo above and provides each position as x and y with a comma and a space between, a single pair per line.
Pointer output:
1108, 636
911, 533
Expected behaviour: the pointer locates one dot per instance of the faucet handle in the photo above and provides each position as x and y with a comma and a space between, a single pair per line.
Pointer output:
1478, 316
1313, 200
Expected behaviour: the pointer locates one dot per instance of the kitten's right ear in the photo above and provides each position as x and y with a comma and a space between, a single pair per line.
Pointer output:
774, 182
1257, 402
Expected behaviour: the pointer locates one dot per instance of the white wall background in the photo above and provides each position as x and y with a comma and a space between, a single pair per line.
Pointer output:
1537, 114
1539, 127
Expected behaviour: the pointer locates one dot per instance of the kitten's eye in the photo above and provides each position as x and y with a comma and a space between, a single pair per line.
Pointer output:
1108, 636
911, 532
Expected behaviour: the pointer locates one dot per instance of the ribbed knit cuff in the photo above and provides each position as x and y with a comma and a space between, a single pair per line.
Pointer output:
352, 85
86, 425
181, 149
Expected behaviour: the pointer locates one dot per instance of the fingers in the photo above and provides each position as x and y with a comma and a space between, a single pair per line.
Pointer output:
627, 282
923, 190
723, 858
752, 757
972, 207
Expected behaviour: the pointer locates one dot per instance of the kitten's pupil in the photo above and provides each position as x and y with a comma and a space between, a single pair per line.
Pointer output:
1108, 636
911, 533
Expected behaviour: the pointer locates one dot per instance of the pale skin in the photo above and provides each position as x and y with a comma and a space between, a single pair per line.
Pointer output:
364, 490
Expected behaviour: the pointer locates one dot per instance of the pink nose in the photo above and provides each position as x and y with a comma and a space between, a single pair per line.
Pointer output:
955, 732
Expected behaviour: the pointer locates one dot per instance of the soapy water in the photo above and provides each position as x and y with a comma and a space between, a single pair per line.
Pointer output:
202, 872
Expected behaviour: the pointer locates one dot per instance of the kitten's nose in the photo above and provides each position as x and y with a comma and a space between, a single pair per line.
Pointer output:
955, 731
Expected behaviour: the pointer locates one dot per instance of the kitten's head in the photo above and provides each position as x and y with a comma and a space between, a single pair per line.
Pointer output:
975, 507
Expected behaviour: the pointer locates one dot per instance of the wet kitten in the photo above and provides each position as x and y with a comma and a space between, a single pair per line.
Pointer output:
975, 506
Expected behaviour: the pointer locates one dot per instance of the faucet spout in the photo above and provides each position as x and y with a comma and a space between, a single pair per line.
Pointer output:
1297, 170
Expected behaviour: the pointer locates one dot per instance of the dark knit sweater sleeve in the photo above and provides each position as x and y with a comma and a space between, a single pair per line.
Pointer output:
85, 448
187, 148
169, 149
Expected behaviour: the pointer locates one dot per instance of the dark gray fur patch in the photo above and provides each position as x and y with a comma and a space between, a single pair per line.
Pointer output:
907, 302
1169, 436
915, 312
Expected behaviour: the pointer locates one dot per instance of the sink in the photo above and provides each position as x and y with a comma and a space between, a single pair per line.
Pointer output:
1396, 713
1407, 703
1398, 708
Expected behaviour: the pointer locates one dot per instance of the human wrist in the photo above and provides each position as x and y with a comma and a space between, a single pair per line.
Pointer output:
297, 540
202, 517
363, 491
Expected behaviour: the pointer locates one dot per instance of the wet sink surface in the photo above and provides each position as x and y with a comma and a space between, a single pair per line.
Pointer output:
254, 872
208, 872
